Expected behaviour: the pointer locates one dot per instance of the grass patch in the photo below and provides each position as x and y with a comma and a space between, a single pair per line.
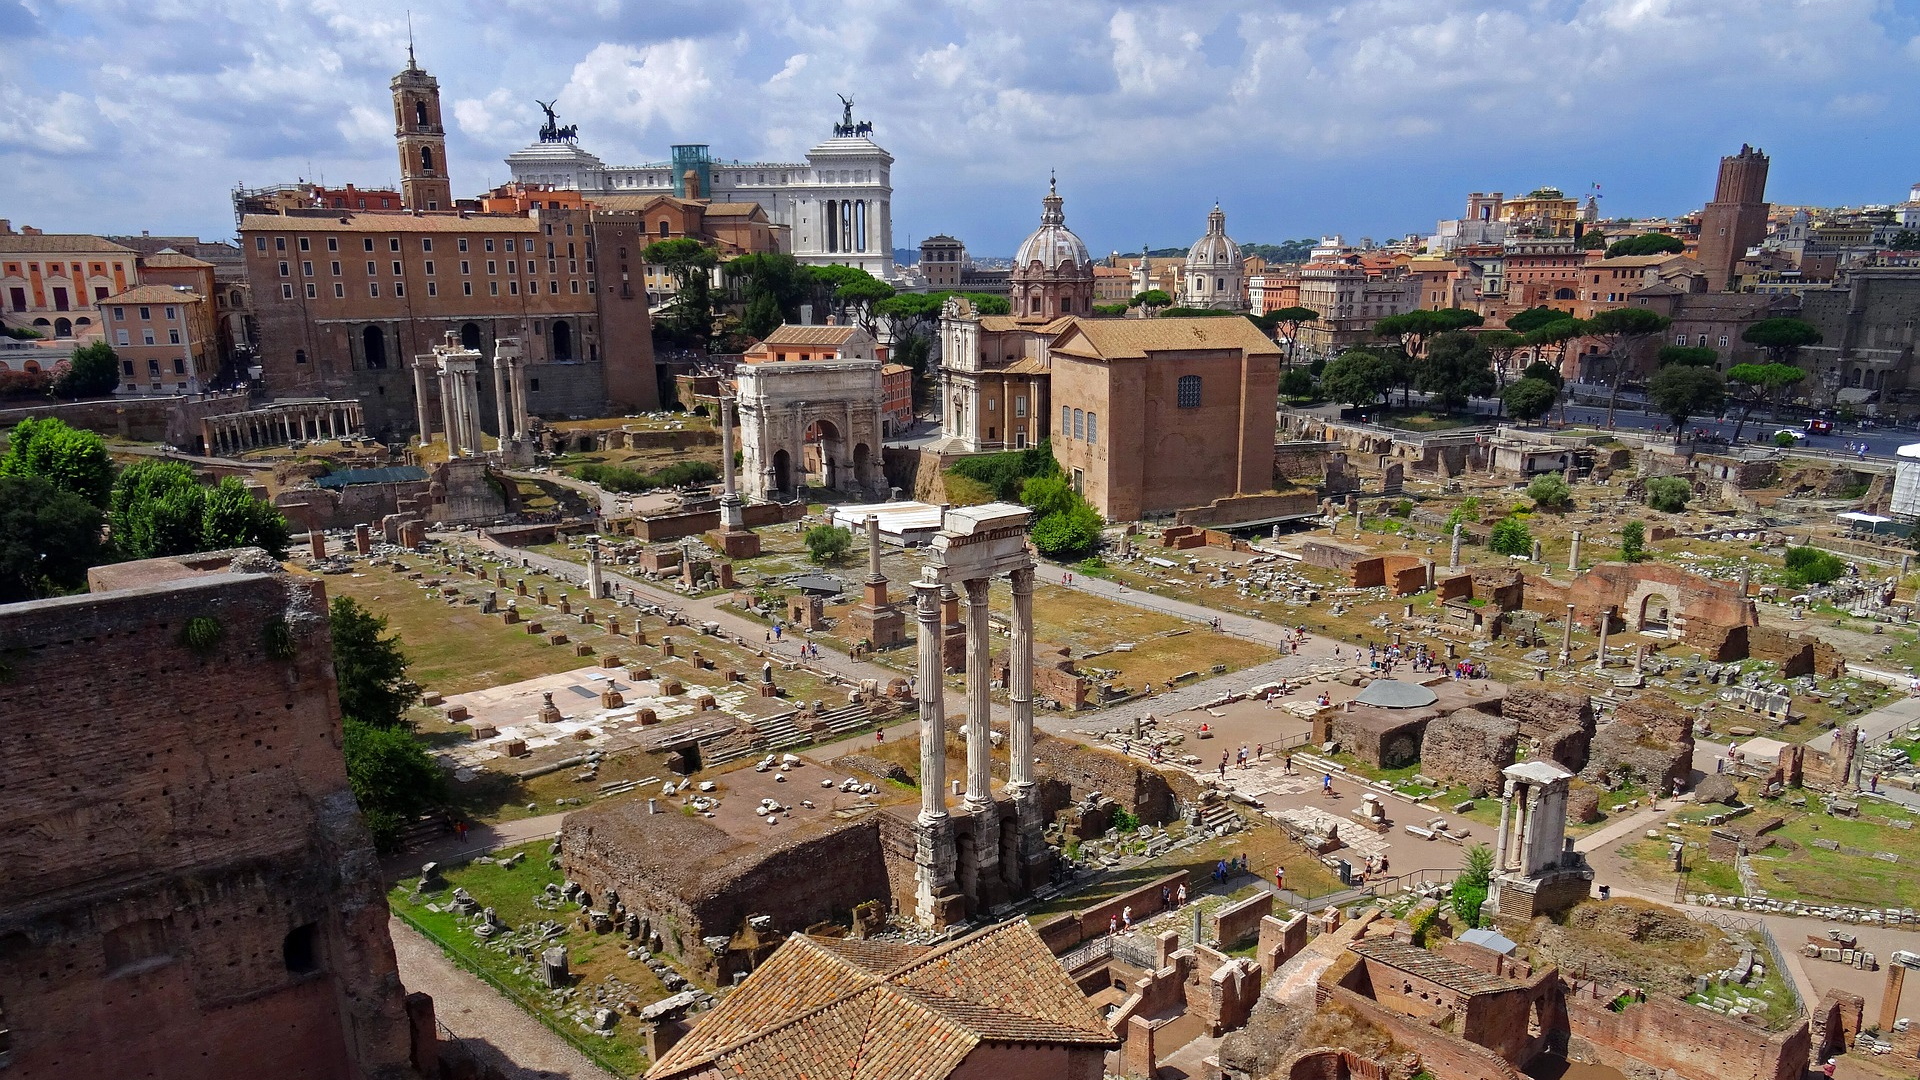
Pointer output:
591, 958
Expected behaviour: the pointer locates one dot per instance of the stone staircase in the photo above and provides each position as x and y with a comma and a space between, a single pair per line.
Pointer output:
1221, 815
777, 734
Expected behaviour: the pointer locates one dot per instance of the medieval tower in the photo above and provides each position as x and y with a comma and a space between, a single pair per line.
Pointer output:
422, 140
1736, 219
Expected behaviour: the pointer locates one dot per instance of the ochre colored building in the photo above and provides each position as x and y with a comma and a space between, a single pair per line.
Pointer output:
49, 282
1157, 415
164, 336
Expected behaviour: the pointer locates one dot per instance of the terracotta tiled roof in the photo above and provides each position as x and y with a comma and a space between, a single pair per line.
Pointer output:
732, 209
1119, 339
173, 259
58, 244
1002, 323
354, 222
833, 1009
810, 335
153, 294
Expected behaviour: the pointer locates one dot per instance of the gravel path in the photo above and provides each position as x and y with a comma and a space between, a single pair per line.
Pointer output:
495, 1029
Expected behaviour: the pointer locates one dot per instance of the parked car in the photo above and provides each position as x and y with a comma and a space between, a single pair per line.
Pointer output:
1819, 427
1789, 433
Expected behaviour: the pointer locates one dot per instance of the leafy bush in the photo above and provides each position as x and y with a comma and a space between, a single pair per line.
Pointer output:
15, 385
1297, 383
1402, 509
1470, 888
1004, 473
1065, 525
1125, 820
618, 478
94, 371
1784, 439
1633, 542
1550, 491
1511, 537
392, 777
1467, 513
1811, 566
1668, 494
202, 634
827, 543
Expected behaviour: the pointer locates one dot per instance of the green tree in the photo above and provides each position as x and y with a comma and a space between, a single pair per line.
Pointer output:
1906, 240
773, 286
370, 667
1510, 537
1633, 542
1456, 369
1071, 534
1152, 298
392, 777
1470, 888
1554, 335
852, 293
1048, 495
827, 543
159, 508
1668, 494
1530, 399
1683, 392
94, 371
1550, 491
1688, 356
1533, 318
1357, 377
1297, 383
1620, 331
1782, 338
1811, 566
1756, 383
1467, 513
688, 318
1646, 244
1293, 318
68, 458
1543, 371
1109, 311
49, 537
1501, 345
1593, 240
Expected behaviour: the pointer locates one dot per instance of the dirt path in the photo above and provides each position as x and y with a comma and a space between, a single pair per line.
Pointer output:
495, 1029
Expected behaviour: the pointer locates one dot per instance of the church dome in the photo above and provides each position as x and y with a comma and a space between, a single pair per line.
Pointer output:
1216, 250
1053, 245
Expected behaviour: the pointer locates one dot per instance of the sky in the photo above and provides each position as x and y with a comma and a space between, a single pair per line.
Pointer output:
1301, 118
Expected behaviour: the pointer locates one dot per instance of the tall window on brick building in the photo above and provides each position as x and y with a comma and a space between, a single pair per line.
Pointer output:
1188, 392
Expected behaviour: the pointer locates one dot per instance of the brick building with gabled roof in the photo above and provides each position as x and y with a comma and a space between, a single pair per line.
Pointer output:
993, 1004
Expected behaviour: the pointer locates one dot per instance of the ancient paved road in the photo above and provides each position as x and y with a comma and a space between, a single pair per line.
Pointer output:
486, 1022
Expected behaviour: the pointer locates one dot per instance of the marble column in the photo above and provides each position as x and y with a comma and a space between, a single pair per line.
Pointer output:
421, 415
1566, 640
500, 399
1600, 657
731, 518
1020, 686
932, 685
1454, 559
979, 700
1573, 557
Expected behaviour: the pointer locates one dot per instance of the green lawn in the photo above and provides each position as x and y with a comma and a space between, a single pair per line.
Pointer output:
592, 958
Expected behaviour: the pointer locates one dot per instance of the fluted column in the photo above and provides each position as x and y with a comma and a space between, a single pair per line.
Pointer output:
933, 707
979, 703
447, 392
1020, 686
500, 399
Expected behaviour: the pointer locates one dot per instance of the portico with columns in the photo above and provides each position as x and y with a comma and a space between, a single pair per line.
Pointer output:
280, 424
1536, 871
454, 370
985, 852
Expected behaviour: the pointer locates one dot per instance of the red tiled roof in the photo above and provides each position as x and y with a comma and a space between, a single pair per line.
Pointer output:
834, 1009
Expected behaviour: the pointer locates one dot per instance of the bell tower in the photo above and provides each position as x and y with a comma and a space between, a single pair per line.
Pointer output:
423, 142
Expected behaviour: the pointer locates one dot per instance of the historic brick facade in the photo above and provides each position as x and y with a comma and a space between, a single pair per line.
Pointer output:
190, 893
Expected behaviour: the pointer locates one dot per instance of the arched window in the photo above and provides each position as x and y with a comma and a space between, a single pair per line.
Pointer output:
426, 159
470, 335
1066, 304
1188, 394
374, 347
420, 113
64, 328
562, 340
663, 228
299, 356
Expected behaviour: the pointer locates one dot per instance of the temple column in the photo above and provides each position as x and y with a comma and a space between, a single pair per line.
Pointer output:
1506, 809
1566, 640
500, 399
1020, 686
979, 702
421, 415
447, 392
1606, 624
933, 728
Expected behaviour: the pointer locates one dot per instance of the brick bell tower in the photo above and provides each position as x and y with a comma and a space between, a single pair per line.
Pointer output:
423, 142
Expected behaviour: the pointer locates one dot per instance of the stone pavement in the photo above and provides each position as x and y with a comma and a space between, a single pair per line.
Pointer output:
495, 1029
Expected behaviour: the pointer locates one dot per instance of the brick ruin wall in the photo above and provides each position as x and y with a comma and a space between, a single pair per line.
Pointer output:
1666, 1034
1469, 747
1147, 793
1446, 1056
689, 880
1650, 738
169, 847
1554, 726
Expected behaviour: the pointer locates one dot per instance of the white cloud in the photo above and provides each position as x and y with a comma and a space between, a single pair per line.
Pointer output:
795, 65
665, 83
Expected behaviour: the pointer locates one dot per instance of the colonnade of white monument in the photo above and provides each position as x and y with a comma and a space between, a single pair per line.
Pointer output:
279, 425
